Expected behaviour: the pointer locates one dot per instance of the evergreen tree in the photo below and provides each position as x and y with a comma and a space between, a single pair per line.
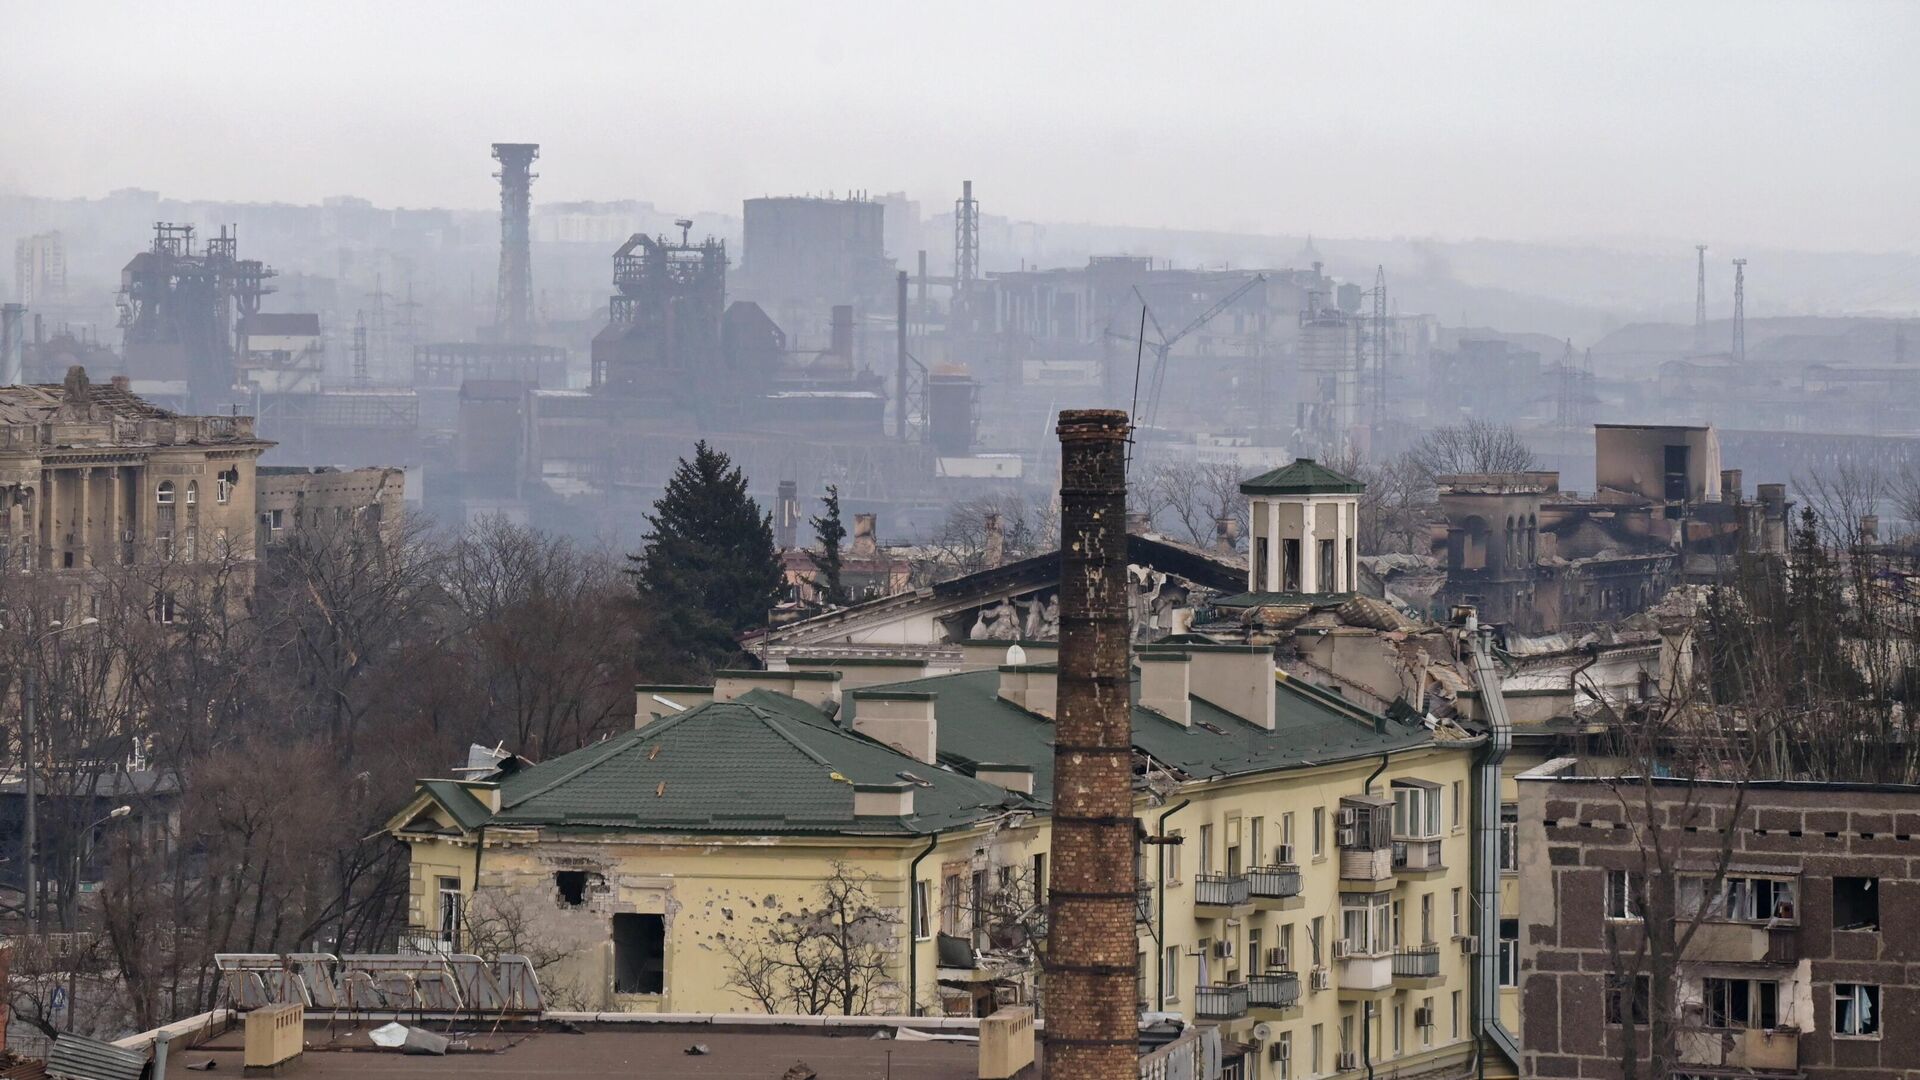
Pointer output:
831, 532
708, 570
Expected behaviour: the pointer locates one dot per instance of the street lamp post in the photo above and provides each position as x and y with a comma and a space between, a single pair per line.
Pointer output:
79, 860
29, 694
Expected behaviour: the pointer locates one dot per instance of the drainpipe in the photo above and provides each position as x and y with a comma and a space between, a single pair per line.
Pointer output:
1486, 847
913, 923
1367, 788
1366, 1036
1160, 931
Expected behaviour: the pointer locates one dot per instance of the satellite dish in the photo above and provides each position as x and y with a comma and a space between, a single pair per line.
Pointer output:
1262, 1033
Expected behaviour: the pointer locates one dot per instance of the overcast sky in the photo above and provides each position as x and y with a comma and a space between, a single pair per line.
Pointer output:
1777, 124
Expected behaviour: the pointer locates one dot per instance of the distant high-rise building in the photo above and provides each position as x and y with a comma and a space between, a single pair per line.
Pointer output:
40, 269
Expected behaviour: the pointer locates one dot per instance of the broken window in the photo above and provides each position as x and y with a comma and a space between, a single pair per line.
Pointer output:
639, 954
572, 886
1629, 997
1856, 1009
1856, 903
1290, 566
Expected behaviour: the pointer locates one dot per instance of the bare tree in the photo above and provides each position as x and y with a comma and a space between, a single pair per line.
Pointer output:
1477, 446
828, 957
1190, 498
960, 546
495, 922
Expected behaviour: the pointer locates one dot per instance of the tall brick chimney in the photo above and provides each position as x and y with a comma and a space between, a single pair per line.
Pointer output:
1092, 1030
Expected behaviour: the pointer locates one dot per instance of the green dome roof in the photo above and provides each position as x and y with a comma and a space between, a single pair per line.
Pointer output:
1304, 477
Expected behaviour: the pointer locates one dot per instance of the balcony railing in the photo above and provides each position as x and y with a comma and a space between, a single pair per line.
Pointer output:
1418, 962
1414, 855
1222, 1001
1274, 990
1221, 890
1273, 882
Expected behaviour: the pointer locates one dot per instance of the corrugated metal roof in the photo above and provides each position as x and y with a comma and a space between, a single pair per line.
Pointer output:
76, 1057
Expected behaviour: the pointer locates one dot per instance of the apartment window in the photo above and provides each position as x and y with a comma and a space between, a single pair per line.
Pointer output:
1509, 837
1319, 1047
1426, 918
922, 913
274, 520
1368, 923
1286, 946
639, 954
1459, 916
1741, 1003
191, 549
1319, 832
222, 547
1203, 862
163, 495
570, 886
1459, 805
1174, 853
1416, 809
1316, 932
1856, 1010
222, 489
1399, 1026
193, 493
1346, 1032
1629, 997
450, 904
1255, 962
979, 897
1283, 1065
1171, 972
1425, 1015
953, 899
163, 607
1256, 833
1625, 898
1039, 874
1453, 1019
1397, 938
1509, 952
1856, 903
1140, 978
1739, 899
1286, 835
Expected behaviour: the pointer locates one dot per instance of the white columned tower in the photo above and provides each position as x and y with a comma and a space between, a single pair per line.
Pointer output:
1302, 522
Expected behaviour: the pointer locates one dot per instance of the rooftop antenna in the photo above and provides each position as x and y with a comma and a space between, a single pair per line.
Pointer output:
1740, 311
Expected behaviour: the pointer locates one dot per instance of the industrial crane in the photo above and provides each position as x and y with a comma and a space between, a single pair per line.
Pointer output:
1165, 344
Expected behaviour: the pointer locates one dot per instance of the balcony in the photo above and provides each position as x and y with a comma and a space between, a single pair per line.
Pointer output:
1366, 869
1727, 942
1221, 1001
1417, 966
1276, 990
1216, 895
1143, 901
1363, 975
1755, 1049
1274, 887
1417, 858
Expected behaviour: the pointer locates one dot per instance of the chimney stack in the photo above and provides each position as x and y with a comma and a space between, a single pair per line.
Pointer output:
1092, 1029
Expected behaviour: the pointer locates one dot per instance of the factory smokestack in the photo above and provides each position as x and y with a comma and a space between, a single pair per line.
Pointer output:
513, 310
1092, 1029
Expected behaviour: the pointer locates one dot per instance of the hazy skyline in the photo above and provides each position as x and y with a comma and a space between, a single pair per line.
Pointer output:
1611, 123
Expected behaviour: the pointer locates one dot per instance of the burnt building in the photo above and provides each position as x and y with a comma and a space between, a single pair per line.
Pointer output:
1526, 553
1800, 932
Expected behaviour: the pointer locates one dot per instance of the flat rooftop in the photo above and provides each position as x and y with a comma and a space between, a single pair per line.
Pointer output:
345, 1051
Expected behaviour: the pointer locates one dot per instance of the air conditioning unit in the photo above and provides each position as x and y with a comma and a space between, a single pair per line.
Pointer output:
1469, 944
1280, 1053
1321, 979
1422, 1018
1346, 1060
1263, 1032
1347, 818
1342, 949
1343, 837
1277, 957
1283, 854
1223, 948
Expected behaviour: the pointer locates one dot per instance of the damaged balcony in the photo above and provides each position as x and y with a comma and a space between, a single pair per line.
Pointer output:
1417, 858
1756, 1051
1221, 895
1418, 966
1274, 888
961, 964
1731, 942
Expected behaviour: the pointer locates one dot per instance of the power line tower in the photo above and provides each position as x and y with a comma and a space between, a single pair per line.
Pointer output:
513, 305
1700, 301
966, 247
1380, 342
360, 377
1739, 311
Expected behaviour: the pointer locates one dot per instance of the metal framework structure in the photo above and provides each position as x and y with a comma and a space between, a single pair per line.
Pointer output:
171, 297
1700, 300
1740, 311
966, 246
513, 308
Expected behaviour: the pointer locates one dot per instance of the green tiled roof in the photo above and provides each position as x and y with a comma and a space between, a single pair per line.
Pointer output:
1304, 477
466, 811
1311, 727
762, 763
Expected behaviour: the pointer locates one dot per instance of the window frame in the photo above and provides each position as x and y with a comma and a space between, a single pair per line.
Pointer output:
1853, 993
